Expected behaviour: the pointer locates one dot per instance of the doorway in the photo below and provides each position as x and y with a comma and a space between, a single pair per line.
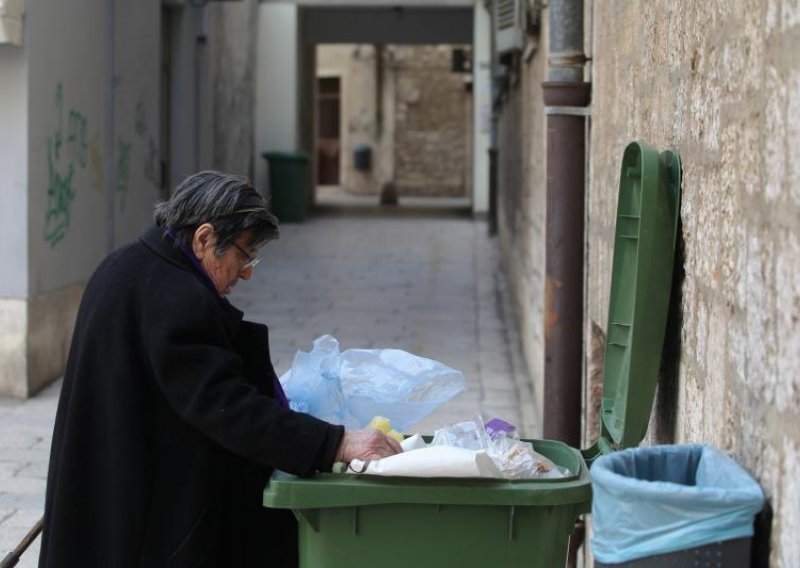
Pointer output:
328, 130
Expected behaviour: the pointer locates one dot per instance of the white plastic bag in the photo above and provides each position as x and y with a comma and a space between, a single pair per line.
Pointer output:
514, 458
352, 387
432, 461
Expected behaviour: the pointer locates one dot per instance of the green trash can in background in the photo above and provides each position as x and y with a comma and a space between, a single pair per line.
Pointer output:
288, 185
359, 520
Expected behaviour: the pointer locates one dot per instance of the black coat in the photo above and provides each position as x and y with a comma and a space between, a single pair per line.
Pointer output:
167, 429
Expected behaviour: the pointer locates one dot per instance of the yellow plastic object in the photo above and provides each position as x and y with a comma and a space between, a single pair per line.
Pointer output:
381, 423
396, 435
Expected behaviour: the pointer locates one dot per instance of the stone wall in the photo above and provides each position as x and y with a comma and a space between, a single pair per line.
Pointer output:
521, 210
431, 122
718, 82
420, 136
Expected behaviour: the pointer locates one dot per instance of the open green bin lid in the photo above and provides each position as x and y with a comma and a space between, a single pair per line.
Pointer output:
641, 281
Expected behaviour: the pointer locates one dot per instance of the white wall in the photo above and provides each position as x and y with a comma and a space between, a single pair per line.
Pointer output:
70, 100
13, 218
67, 74
482, 106
277, 94
80, 129
14, 178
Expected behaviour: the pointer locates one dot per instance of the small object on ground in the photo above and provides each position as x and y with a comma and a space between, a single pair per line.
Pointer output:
389, 194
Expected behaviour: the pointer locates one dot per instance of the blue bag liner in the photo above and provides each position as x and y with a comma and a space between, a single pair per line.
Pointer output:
661, 499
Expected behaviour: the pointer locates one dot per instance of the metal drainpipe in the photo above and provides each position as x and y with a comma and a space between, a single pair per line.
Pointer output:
110, 130
566, 97
495, 119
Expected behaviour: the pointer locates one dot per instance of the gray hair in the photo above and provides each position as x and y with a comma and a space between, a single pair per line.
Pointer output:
229, 202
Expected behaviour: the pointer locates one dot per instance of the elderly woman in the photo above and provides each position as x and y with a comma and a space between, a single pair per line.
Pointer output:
171, 417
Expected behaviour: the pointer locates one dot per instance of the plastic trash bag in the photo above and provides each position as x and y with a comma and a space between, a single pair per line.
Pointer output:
313, 384
513, 458
431, 461
352, 387
661, 499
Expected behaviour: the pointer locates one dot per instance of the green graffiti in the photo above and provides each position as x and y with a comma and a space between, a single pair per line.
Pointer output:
64, 157
60, 106
59, 199
123, 170
76, 136
151, 163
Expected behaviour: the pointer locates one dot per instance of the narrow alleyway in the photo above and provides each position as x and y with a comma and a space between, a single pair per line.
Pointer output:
420, 279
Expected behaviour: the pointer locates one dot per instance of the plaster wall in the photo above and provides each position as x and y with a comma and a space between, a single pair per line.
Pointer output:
13, 164
137, 171
68, 153
719, 82
233, 34
277, 93
189, 112
355, 67
522, 193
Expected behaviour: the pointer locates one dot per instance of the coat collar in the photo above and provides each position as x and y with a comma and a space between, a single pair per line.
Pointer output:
155, 240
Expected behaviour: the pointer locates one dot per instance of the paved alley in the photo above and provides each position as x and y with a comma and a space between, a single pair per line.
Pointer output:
424, 280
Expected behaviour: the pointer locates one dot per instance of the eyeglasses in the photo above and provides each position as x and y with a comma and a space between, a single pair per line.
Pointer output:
252, 261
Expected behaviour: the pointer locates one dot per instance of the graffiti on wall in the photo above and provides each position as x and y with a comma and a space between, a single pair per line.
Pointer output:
140, 118
123, 171
96, 161
66, 153
150, 157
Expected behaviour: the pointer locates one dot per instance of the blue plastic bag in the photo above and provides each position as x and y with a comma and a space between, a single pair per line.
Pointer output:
661, 499
352, 387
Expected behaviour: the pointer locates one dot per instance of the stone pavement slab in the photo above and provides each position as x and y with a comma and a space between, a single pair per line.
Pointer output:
26, 429
428, 283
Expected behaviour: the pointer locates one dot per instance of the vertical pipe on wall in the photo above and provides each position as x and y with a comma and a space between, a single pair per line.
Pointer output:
565, 98
110, 131
495, 119
379, 54
199, 85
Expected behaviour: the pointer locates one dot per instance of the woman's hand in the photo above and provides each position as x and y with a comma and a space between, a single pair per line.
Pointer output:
366, 444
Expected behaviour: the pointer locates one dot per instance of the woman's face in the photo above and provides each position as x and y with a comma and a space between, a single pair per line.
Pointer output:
227, 268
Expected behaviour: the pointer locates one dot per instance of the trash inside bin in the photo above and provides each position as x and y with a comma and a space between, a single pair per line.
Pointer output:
422, 522
288, 185
662, 499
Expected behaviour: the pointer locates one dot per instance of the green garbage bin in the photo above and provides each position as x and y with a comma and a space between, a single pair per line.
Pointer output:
349, 520
288, 184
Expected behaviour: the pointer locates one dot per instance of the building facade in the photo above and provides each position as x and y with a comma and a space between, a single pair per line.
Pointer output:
407, 105
105, 106
719, 83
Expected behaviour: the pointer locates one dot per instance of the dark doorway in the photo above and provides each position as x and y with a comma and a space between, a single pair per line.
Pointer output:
328, 133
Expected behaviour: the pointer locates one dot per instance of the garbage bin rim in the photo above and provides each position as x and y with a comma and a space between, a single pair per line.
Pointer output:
602, 474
